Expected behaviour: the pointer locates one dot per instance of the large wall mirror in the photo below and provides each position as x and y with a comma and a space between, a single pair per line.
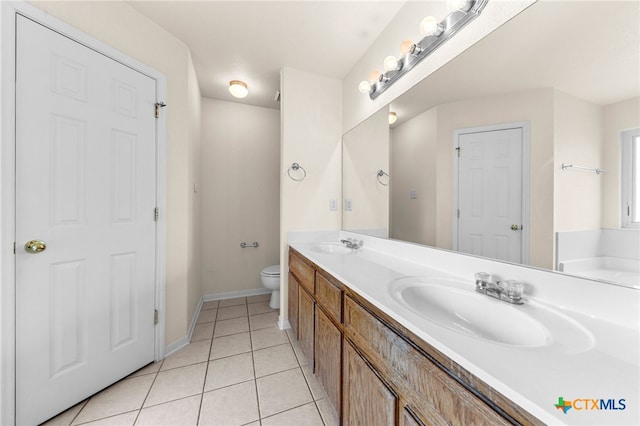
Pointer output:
474, 162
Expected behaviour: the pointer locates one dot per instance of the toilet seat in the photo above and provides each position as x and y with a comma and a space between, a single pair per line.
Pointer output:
271, 271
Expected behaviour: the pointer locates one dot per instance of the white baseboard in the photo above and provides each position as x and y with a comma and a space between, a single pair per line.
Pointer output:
234, 294
283, 325
176, 346
184, 341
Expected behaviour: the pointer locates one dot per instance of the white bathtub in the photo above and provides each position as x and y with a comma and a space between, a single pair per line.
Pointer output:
611, 269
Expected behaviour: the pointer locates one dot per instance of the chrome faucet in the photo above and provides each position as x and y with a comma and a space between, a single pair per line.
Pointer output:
352, 243
508, 291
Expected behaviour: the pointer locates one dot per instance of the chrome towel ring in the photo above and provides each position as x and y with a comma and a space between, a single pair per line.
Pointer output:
296, 167
380, 174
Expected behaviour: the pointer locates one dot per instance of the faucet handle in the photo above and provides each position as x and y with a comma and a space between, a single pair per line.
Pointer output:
513, 289
482, 279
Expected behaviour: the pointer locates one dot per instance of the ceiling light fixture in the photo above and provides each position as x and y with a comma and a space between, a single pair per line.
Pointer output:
238, 88
434, 35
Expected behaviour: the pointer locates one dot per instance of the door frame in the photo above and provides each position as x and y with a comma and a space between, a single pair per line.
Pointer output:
8, 11
525, 127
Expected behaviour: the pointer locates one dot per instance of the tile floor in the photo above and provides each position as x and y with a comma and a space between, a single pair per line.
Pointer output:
239, 369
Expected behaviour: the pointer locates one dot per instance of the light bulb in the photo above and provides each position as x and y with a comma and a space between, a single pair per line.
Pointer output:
430, 26
463, 5
409, 47
374, 76
390, 63
364, 87
238, 88
392, 117
406, 47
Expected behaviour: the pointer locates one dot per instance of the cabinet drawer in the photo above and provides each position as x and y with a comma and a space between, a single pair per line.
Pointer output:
374, 338
303, 271
436, 396
329, 297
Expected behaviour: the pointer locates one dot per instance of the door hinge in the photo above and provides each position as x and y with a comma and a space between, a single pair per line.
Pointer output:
458, 213
458, 149
155, 317
14, 247
156, 214
158, 106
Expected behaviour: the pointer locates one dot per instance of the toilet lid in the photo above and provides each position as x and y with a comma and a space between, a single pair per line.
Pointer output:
272, 271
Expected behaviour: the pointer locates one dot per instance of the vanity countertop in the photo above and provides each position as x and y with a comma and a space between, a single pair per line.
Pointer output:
603, 364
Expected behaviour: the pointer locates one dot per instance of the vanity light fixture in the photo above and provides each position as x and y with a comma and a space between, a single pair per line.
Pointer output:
392, 117
463, 5
364, 86
434, 34
390, 63
409, 47
430, 26
238, 88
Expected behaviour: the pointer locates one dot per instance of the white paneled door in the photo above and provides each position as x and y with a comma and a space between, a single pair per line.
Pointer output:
490, 215
85, 227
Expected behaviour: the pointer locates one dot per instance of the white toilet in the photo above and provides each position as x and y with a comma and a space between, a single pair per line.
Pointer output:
270, 277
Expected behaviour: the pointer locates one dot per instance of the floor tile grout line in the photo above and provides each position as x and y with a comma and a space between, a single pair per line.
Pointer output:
255, 379
293, 408
149, 391
107, 417
206, 373
84, 404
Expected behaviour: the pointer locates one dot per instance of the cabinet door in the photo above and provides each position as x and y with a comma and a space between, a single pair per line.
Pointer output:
366, 399
293, 303
306, 319
328, 357
408, 419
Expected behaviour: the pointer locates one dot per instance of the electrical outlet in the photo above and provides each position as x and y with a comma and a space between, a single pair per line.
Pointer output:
348, 205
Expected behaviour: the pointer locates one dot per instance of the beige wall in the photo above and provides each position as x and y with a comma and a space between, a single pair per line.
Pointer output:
414, 167
365, 150
240, 191
617, 118
120, 26
311, 136
577, 133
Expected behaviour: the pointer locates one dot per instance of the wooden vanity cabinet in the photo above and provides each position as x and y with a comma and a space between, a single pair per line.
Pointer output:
376, 372
328, 352
328, 357
306, 324
367, 400
301, 300
318, 317
293, 303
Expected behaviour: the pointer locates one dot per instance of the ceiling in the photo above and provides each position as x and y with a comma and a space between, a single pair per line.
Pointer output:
253, 40
588, 49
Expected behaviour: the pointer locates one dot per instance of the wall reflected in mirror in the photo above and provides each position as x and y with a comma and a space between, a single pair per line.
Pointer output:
558, 69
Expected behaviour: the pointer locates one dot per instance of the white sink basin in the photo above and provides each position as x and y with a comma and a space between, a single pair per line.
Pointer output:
331, 247
483, 317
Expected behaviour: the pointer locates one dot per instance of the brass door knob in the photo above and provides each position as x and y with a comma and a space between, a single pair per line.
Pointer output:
515, 227
35, 246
